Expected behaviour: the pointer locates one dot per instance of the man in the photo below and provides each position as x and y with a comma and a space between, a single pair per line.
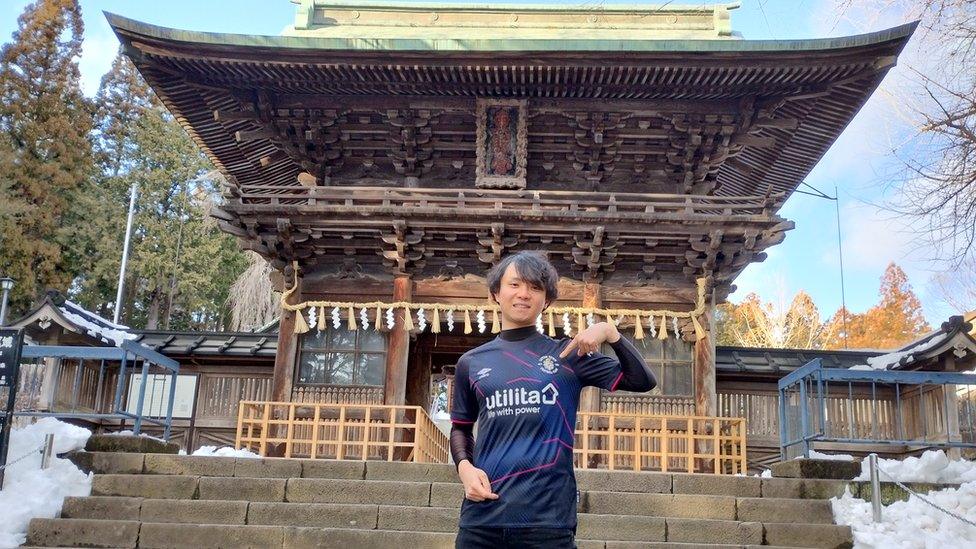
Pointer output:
522, 388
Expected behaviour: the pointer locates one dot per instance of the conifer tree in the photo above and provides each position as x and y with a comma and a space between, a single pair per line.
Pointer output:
45, 122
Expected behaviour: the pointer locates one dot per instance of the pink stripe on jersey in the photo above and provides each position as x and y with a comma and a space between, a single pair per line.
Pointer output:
523, 379
519, 360
616, 382
530, 470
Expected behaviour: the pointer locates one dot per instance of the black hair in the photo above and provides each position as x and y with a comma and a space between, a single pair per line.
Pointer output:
532, 267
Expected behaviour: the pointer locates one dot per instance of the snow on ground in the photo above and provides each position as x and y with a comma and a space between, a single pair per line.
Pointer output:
225, 451
832, 457
915, 524
932, 466
29, 491
912, 524
129, 433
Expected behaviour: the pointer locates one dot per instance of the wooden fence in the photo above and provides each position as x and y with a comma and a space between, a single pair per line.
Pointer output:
341, 431
692, 444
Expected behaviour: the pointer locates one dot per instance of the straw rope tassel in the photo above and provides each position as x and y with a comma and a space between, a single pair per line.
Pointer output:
552, 325
435, 326
579, 322
662, 332
321, 324
699, 331
467, 322
610, 319
301, 326
495, 326
638, 328
407, 319
379, 319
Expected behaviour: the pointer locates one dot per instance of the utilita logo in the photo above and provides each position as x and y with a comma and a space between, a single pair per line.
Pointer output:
522, 397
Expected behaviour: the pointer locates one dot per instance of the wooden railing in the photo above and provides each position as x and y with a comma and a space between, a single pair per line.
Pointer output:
692, 444
340, 431
646, 405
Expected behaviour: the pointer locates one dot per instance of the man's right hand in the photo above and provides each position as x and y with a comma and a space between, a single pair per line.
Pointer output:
477, 487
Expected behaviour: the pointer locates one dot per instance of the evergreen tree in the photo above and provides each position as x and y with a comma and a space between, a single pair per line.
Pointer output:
45, 122
896, 320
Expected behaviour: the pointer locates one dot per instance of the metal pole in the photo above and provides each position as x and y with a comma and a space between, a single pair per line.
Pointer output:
125, 253
875, 487
3, 305
840, 255
48, 450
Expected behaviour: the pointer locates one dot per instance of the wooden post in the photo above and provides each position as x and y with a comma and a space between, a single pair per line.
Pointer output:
287, 356
395, 383
704, 374
590, 396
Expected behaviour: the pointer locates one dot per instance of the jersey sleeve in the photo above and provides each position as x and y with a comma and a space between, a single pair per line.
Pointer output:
596, 370
464, 406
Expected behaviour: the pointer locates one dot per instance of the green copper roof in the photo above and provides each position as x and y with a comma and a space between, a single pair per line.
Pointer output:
502, 43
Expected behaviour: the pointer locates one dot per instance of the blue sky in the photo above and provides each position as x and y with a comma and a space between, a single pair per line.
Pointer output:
859, 164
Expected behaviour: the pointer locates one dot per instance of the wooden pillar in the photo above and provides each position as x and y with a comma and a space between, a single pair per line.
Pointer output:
287, 355
590, 396
397, 353
704, 374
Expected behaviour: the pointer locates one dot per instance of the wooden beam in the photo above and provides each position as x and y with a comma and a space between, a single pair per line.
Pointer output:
704, 366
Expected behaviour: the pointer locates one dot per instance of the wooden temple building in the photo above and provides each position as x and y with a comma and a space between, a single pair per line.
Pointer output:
382, 156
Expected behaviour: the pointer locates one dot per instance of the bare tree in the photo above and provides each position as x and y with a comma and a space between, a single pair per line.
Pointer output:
957, 287
253, 301
938, 99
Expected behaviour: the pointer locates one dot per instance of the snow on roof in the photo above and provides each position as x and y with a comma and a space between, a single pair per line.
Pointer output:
914, 350
94, 325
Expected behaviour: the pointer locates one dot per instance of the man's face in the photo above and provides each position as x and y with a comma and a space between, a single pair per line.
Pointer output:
520, 302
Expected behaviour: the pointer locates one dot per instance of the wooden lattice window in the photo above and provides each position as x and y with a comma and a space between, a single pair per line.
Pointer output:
342, 357
670, 359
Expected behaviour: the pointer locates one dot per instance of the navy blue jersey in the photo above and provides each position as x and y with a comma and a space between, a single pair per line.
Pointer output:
524, 399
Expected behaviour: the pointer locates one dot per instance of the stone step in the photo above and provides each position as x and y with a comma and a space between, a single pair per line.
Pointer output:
69, 532
614, 481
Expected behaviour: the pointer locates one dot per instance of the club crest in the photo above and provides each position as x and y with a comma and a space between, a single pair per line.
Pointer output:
549, 364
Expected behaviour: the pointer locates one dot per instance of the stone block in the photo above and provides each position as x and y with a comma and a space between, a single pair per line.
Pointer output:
243, 489
415, 472
328, 538
201, 466
423, 519
814, 511
828, 536
82, 533
719, 485
331, 468
268, 468
802, 488
130, 443
632, 481
202, 536
101, 507
106, 462
661, 505
620, 528
588, 479
313, 515
891, 492
444, 494
682, 530
383, 492
145, 486
816, 468
194, 511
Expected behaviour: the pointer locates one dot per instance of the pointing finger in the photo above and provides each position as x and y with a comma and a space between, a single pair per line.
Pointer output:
569, 348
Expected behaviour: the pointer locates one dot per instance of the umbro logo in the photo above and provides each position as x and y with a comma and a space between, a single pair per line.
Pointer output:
483, 373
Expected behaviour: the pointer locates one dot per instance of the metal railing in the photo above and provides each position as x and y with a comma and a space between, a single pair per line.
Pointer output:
901, 410
340, 431
691, 444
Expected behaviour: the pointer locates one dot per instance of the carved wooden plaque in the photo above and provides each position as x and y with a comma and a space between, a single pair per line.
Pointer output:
502, 144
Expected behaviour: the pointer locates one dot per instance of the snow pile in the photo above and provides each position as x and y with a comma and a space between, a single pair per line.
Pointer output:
913, 523
30, 492
830, 457
933, 466
225, 451
890, 360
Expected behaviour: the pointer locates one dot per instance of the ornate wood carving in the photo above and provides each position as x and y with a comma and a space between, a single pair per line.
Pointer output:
493, 246
594, 257
407, 253
501, 143
410, 142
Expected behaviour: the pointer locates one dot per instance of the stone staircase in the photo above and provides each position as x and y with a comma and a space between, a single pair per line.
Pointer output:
158, 500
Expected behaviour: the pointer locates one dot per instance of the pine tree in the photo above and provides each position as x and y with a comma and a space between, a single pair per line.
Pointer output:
45, 122
895, 321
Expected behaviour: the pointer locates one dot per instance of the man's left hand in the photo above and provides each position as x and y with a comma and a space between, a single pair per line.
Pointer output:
590, 339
